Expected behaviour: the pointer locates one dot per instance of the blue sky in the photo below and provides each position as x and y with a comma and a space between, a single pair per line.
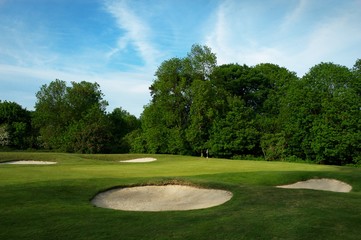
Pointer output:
120, 43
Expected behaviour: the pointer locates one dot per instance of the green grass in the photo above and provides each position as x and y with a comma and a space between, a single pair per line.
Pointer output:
53, 201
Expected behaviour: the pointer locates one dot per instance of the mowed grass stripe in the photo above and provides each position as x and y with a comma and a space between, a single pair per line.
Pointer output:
53, 202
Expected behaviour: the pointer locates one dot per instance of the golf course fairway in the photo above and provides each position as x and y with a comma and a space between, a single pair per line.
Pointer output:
41, 201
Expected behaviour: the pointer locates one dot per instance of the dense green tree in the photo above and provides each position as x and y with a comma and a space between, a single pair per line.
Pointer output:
252, 84
71, 118
235, 133
202, 114
233, 78
263, 110
356, 71
277, 80
122, 123
164, 119
155, 130
51, 116
167, 117
82, 97
15, 125
202, 62
273, 146
170, 91
91, 134
12, 112
261, 88
323, 112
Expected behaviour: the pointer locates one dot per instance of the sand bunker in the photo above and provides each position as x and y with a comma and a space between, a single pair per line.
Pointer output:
161, 198
25, 162
139, 160
324, 184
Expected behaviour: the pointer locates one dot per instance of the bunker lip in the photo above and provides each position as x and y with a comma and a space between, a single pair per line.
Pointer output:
323, 184
139, 160
29, 162
161, 198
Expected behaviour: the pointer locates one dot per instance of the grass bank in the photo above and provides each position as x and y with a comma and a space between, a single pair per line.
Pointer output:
53, 201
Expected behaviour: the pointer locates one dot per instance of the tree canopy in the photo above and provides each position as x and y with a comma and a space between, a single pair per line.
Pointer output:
264, 110
74, 119
198, 107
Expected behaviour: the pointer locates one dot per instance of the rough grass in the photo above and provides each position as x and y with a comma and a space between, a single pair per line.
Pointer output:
53, 201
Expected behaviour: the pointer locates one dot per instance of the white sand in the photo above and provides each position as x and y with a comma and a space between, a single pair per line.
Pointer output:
139, 160
324, 184
23, 162
161, 198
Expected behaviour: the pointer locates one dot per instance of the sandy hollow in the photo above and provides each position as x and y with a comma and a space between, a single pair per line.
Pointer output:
31, 162
324, 184
161, 198
139, 160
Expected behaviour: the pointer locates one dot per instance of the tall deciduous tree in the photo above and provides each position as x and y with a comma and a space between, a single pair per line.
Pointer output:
166, 119
236, 132
203, 61
202, 114
323, 115
71, 118
51, 115
15, 126
122, 123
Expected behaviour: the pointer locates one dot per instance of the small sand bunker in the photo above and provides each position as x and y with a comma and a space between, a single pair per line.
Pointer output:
139, 160
30, 162
161, 198
324, 184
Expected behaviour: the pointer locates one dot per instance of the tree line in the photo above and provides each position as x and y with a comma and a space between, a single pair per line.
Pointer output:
229, 110
234, 110
67, 119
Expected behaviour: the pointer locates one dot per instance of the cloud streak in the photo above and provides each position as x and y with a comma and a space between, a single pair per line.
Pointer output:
29, 59
237, 37
121, 89
137, 33
120, 43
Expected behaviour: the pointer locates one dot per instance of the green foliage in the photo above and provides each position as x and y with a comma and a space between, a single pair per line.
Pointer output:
201, 116
323, 112
121, 123
15, 124
4, 135
90, 134
264, 110
273, 146
202, 60
236, 133
73, 119
229, 110
169, 122
51, 115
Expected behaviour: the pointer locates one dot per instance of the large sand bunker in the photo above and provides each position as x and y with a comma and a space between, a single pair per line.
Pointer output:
161, 198
324, 184
30, 162
139, 160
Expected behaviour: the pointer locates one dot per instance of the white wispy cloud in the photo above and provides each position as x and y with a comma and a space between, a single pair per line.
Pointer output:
121, 89
295, 15
305, 36
296, 34
28, 60
137, 33
22, 46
